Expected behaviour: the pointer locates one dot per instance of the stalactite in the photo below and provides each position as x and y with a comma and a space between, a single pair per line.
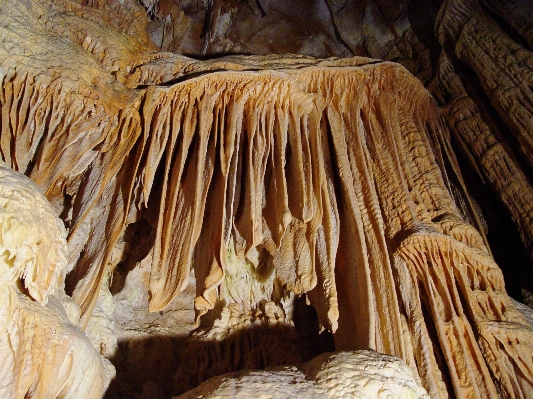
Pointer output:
517, 13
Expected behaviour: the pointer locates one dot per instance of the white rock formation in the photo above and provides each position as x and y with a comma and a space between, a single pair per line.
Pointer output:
363, 374
44, 355
275, 383
360, 374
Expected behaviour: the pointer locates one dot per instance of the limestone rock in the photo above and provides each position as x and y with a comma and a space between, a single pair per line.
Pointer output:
503, 66
361, 375
276, 383
268, 178
518, 13
478, 139
44, 354
101, 329
526, 311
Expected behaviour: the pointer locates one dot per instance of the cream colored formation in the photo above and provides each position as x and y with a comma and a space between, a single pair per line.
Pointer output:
44, 353
358, 375
266, 177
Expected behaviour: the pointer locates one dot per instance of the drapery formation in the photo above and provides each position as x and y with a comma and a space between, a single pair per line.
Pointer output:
327, 166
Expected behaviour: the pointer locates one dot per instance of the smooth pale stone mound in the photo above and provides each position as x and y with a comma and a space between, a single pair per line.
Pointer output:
363, 374
274, 383
358, 374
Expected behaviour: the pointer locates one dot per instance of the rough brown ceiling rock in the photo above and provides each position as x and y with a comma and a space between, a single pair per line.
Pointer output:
319, 177
319, 28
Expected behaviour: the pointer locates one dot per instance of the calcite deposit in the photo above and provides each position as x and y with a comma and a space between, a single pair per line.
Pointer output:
360, 375
493, 163
44, 353
478, 41
363, 374
286, 198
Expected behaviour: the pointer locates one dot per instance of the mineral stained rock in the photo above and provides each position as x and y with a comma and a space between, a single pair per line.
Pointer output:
44, 353
503, 66
487, 153
268, 178
359, 374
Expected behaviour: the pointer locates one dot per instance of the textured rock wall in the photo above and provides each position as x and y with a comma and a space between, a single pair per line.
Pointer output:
362, 374
483, 80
